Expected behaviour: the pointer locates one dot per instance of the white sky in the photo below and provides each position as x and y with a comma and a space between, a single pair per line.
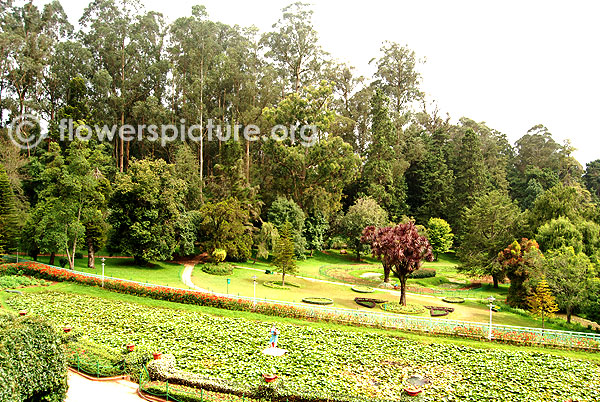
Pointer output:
511, 64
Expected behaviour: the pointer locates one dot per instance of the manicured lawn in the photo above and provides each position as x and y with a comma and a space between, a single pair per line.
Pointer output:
159, 273
242, 285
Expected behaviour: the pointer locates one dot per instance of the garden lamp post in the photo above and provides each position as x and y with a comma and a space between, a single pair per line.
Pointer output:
254, 278
491, 299
103, 259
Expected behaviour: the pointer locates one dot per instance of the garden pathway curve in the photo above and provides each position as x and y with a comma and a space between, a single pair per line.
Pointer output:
84, 390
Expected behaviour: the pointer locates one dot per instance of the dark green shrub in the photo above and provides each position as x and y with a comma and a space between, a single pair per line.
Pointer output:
32, 361
422, 273
136, 360
218, 269
63, 261
78, 255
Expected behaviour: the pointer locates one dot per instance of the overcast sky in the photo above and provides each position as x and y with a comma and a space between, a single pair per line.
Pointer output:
511, 64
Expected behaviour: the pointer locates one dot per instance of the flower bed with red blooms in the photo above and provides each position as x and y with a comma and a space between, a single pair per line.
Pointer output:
153, 291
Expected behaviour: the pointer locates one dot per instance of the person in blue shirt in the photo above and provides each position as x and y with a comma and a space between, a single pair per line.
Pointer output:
274, 336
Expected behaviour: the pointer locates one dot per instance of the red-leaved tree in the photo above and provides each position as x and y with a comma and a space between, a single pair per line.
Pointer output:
400, 248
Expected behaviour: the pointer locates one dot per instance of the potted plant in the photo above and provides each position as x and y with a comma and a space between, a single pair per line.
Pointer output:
130, 346
270, 377
67, 329
157, 355
22, 312
413, 390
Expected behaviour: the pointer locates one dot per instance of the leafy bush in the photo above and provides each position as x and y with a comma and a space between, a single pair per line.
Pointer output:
318, 300
136, 360
422, 273
32, 361
218, 269
78, 255
219, 255
395, 307
63, 261
16, 281
279, 285
362, 289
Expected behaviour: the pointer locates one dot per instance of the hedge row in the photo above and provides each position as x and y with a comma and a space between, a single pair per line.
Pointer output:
32, 361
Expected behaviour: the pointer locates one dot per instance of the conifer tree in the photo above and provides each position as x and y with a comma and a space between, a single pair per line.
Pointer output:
542, 303
284, 258
9, 227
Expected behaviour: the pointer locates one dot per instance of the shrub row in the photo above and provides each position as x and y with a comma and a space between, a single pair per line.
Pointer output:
217, 269
18, 281
422, 273
32, 361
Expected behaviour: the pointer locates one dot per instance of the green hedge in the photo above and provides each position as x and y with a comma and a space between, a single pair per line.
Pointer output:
221, 269
32, 361
18, 281
422, 273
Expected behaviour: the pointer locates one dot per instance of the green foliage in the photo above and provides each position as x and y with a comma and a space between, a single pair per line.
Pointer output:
541, 302
32, 361
219, 255
523, 263
147, 200
365, 212
323, 301
286, 210
383, 173
9, 223
93, 358
18, 281
488, 227
440, 236
568, 272
340, 357
422, 273
283, 256
559, 233
315, 228
217, 269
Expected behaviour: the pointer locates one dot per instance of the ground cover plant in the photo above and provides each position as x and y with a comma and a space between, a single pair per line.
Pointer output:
320, 361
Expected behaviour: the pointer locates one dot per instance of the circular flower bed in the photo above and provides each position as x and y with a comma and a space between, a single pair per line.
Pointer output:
395, 307
362, 289
279, 285
367, 302
318, 300
437, 311
454, 299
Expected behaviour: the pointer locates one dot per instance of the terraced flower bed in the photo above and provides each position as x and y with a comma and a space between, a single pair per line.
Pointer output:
395, 307
280, 285
321, 363
323, 301
362, 289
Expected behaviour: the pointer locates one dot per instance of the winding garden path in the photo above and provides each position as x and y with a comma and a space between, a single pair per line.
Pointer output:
84, 390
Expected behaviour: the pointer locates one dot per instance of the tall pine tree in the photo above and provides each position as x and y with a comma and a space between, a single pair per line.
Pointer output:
9, 224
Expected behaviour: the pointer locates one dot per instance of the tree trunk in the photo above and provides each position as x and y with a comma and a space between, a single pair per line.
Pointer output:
90, 245
495, 281
52, 255
283, 278
403, 290
386, 273
569, 314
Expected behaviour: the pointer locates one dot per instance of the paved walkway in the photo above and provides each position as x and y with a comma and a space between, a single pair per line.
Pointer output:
84, 390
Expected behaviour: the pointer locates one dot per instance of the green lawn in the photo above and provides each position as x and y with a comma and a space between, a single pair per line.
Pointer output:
158, 273
242, 284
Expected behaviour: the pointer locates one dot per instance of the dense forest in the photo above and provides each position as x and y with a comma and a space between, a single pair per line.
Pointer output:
383, 154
